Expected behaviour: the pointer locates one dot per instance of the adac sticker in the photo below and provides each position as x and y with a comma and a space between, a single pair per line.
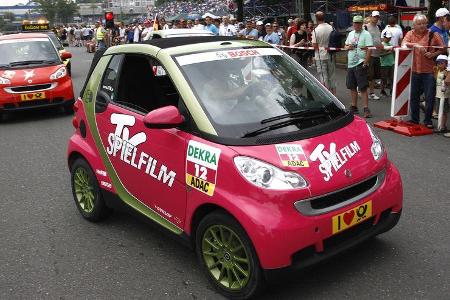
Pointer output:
201, 167
292, 155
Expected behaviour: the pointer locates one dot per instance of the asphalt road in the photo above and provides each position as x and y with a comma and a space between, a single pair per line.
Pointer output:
48, 251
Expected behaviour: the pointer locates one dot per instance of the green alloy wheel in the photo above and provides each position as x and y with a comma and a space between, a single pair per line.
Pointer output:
228, 257
86, 192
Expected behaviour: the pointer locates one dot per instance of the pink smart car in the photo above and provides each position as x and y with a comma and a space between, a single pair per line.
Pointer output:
234, 147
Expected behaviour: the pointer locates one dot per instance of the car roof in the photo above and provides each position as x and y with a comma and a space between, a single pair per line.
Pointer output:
183, 31
17, 36
183, 41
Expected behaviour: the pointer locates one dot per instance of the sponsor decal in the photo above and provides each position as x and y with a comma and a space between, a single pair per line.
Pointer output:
88, 96
352, 217
106, 184
292, 155
223, 55
101, 172
159, 71
28, 74
9, 74
121, 145
163, 212
331, 160
32, 96
201, 167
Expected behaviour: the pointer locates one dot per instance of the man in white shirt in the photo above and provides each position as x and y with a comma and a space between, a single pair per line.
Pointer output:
396, 32
226, 29
325, 62
137, 33
198, 25
147, 32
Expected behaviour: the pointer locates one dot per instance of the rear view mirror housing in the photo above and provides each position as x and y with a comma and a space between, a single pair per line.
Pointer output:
164, 117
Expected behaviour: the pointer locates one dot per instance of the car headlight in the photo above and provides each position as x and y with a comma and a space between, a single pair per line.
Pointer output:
59, 74
377, 148
268, 176
4, 81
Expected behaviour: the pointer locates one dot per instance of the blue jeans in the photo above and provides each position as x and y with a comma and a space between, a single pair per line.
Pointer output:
101, 45
422, 82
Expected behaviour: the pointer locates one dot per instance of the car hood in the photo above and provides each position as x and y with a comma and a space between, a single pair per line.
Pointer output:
30, 76
352, 161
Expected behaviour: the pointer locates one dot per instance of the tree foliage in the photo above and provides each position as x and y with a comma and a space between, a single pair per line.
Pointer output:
57, 10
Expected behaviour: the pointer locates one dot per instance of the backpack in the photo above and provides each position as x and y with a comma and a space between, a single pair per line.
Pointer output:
334, 41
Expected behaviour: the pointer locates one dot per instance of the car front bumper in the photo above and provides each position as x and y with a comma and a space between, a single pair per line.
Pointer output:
298, 241
58, 94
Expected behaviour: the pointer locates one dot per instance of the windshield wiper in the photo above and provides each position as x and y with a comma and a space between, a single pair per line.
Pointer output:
31, 62
296, 117
273, 127
298, 113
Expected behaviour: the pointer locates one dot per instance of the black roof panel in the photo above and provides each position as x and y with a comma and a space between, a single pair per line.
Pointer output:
164, 43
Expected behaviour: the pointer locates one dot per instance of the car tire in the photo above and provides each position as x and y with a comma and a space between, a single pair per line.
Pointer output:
69, 69
228, 257
86, 192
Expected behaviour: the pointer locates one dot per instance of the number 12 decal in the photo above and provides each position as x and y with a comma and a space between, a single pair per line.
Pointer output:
201, 169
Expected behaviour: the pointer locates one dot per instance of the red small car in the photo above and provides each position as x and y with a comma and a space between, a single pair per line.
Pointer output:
32, 74
231, 145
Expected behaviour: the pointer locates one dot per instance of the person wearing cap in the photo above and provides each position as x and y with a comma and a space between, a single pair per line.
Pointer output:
210, 26
420, 38
395, 30
226, 29
439, 24
358, 63
442, 90
387, 61
261, 30
374, 66
147, 31
271, 37
249, 32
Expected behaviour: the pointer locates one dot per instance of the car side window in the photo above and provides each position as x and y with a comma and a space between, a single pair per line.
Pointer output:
144, 85
110, 78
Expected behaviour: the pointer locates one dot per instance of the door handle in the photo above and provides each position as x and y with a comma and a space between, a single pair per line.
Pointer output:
101, 102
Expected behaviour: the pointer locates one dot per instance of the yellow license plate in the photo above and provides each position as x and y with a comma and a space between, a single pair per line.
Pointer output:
352, 217
32, 96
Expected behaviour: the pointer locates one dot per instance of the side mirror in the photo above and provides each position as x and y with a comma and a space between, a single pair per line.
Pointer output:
65, 55
164, 117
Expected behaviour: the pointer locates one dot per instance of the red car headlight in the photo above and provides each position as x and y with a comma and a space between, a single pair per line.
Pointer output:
61, 72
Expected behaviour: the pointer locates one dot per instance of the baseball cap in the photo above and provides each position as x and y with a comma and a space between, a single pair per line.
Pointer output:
358, 19
442, 12
442, 57
387, 34
259, 23
375, 13
268, 25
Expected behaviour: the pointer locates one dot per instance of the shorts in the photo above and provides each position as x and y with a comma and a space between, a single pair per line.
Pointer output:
374, 68
387, 75
326, 72
357, 78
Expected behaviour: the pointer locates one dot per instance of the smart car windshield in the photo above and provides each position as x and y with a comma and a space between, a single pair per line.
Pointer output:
257, 91
15, 53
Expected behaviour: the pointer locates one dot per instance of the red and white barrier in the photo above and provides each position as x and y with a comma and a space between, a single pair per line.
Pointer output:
401, 95
401, 90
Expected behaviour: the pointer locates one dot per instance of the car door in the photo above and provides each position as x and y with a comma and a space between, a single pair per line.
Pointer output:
148, 162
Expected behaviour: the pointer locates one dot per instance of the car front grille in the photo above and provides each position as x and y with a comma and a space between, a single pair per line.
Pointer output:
30, 88
335, 200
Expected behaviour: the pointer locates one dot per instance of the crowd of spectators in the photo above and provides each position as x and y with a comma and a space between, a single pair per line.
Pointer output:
172, 8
